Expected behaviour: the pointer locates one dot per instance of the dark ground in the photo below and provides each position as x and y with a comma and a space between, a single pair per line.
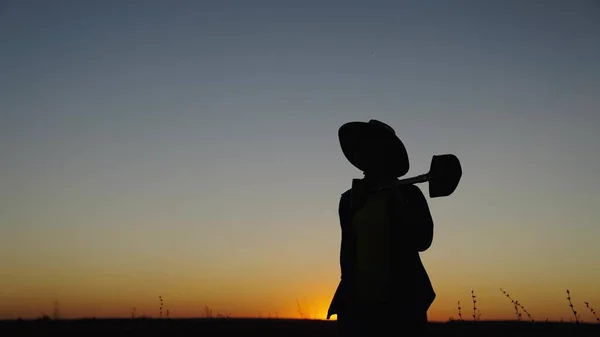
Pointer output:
269, 328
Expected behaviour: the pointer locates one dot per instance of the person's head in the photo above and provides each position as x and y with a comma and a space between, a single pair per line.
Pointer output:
372, 155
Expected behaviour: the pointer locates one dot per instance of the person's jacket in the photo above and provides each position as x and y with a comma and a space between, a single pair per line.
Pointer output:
411, 232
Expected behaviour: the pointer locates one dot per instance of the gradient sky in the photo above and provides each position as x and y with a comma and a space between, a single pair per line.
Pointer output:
188, 149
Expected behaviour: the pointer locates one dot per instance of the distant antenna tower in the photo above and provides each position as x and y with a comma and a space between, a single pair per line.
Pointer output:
56, 310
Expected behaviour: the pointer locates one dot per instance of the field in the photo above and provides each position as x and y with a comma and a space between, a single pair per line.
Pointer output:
269, 328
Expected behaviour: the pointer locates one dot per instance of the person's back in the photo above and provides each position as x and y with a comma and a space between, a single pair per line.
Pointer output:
384, 286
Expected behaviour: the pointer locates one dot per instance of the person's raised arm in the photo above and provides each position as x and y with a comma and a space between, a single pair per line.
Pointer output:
420, 218
413, 219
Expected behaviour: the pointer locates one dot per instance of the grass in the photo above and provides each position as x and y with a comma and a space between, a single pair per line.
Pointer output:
520, 309
271, 328
223, 325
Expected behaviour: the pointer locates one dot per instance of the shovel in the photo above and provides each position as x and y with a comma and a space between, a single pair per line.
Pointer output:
443, 176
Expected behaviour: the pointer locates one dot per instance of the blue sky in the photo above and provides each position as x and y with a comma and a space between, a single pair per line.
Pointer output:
202, 135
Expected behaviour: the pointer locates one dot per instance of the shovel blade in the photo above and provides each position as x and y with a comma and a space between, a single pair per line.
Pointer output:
444, 175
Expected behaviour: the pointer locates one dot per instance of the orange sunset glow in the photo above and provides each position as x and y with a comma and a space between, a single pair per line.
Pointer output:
189, 151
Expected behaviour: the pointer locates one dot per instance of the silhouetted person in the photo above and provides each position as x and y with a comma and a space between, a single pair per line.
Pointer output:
384, 288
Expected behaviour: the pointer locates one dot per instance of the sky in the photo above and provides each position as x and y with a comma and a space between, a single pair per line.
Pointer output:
188, 149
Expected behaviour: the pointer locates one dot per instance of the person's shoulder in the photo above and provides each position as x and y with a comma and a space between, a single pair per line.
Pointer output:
410, 191
346, 196
414, 189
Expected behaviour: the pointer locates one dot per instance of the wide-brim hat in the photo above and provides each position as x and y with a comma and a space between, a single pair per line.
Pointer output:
375, 133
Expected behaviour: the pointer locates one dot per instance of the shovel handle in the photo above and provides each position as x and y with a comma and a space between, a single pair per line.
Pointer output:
414, 180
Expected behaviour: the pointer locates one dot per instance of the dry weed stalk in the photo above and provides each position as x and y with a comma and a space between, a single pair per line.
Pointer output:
587, 305
572, 307
208, 313
474, 305
160, 312
517, 306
